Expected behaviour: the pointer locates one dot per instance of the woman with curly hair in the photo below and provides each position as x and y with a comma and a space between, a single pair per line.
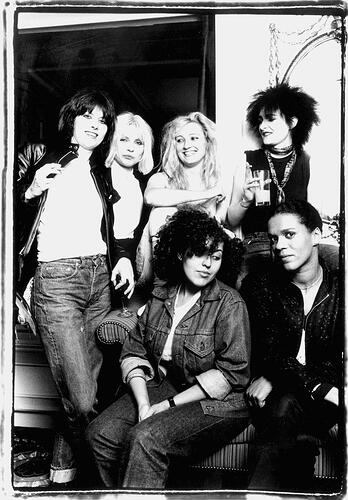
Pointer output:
189, 174
282, 117
186, 363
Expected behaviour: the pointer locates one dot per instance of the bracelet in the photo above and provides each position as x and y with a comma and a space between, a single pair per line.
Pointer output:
171, 402
244, 204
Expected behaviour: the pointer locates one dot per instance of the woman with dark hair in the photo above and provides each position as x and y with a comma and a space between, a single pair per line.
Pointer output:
186, 363
65, 231
282, 117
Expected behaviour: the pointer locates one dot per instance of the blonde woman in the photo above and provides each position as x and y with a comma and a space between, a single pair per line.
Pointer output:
130, 160
189, 174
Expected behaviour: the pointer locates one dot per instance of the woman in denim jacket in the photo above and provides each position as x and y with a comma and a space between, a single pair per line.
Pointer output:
186, 363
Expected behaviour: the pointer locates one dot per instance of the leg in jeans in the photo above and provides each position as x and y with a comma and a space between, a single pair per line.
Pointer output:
140, 453
70, 298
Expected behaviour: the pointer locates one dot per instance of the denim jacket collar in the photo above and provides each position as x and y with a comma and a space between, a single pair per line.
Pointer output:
209, 293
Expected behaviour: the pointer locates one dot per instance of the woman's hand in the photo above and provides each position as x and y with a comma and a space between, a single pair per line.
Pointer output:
143, 412
258, 391
153, 410
123, 270
249, 186
43, 179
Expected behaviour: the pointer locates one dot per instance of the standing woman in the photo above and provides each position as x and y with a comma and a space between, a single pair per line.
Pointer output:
189, 174
130, 159
65, 201
282, 117
186, 363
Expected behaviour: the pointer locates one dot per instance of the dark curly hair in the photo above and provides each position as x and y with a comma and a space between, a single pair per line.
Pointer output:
83, 101
291, 101
194, 231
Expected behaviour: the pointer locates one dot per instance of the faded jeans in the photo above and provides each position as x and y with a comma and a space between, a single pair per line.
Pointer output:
70, 298
129, 454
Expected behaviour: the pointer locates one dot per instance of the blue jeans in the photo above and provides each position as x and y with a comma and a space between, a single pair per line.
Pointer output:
129, 454
70, 298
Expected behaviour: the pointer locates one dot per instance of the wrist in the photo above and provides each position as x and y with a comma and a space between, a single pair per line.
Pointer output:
171, 402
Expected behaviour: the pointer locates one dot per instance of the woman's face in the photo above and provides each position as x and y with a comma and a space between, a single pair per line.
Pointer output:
274, 129
200, 270
190, 144
89, 129
130, 146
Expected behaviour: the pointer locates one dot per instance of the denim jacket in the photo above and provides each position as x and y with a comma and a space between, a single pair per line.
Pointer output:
211, 345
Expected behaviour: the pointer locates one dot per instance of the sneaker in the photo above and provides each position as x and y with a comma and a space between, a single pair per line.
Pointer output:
32, 471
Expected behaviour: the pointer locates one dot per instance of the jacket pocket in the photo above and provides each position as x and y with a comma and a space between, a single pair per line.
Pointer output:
199, 351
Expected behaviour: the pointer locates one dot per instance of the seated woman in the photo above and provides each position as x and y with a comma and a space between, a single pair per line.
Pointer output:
186, 363
282, 117
189, 174
130, 159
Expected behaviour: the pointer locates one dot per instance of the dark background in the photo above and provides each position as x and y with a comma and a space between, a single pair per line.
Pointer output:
157, 68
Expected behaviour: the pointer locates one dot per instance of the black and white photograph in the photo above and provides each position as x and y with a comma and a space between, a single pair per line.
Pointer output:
173, 249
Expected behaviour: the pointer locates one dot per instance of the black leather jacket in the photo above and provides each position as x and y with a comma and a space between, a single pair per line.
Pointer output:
30, 158
277, 319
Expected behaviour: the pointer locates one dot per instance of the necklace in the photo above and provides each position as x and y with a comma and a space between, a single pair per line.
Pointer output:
311, 285
287, 172
281, 151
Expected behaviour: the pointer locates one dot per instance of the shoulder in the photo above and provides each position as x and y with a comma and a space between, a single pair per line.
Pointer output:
228, 293
254, 154
158, 180
261, 281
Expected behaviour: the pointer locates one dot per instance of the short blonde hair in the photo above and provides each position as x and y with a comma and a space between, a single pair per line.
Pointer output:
170, 163
127, 118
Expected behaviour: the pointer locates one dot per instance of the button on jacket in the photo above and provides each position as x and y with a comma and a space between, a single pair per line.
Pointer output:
211, 345
277, 319
32, 157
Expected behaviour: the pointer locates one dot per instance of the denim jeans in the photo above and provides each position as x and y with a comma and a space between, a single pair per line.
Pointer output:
129, 454
286, 447
70, 298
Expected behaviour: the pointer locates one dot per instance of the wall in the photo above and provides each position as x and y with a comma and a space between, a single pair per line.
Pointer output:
242, 68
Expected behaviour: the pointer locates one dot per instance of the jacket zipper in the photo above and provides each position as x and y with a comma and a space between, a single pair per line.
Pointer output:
310, 312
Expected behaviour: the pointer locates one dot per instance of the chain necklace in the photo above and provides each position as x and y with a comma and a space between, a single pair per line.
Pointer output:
287, 172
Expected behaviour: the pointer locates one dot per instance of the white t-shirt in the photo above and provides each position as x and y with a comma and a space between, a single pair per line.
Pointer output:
179, 313
308, 301
70, 224
127, 210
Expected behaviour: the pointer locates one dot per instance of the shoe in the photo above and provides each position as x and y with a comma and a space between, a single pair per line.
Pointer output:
33, 471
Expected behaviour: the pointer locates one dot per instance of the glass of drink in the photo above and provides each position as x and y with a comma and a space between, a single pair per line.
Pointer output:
263, 189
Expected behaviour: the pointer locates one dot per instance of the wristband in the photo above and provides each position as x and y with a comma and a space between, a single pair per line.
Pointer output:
171, 402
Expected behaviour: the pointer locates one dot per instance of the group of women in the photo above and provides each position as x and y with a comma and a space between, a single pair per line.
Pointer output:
186, 364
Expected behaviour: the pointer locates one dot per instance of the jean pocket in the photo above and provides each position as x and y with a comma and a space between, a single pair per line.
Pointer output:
58, 270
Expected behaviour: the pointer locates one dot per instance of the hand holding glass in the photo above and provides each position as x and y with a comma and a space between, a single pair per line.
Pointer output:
263, 189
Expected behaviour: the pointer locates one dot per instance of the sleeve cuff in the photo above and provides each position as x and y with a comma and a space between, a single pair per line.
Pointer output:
214, 384
131, 363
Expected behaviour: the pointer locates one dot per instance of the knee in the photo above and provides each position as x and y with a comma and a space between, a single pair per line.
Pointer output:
143, 437
93, 433
286, 407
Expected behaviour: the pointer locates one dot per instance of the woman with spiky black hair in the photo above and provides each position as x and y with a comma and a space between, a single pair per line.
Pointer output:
282, 117
186, 363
